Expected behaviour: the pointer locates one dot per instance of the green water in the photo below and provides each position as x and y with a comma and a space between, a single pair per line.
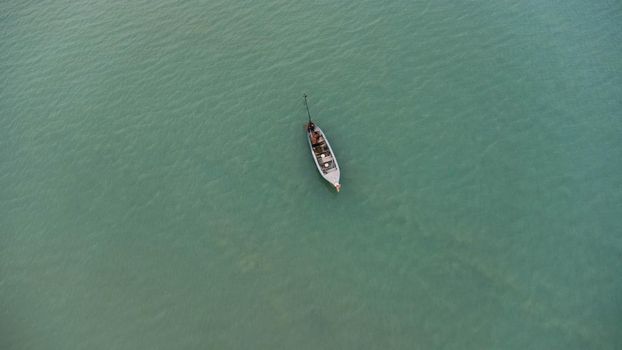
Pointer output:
156, 189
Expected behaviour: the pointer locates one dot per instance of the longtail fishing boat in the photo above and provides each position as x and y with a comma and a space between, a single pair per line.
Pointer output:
322, 153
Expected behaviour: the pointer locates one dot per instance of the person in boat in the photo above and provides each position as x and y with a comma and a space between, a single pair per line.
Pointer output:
316, 138
314, 135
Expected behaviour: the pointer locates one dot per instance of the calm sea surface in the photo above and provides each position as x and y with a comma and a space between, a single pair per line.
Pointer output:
157, 192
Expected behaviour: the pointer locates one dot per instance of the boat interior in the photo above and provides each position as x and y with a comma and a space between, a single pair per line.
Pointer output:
324, 157
323, 154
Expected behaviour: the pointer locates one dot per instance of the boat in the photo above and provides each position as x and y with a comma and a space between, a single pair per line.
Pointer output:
322, 153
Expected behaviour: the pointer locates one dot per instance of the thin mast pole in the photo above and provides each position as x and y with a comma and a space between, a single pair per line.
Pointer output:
307, 105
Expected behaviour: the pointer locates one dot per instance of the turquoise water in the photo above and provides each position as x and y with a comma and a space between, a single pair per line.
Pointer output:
156, 189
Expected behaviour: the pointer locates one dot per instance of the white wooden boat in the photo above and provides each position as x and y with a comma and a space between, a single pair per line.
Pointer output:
322, 153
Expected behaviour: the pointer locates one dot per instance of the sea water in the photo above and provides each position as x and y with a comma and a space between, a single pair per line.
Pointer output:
157, 191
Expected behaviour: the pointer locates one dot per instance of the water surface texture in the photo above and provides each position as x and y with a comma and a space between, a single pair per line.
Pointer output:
157, 192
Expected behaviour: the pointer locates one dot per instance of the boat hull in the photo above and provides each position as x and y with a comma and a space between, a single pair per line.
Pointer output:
324, 157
